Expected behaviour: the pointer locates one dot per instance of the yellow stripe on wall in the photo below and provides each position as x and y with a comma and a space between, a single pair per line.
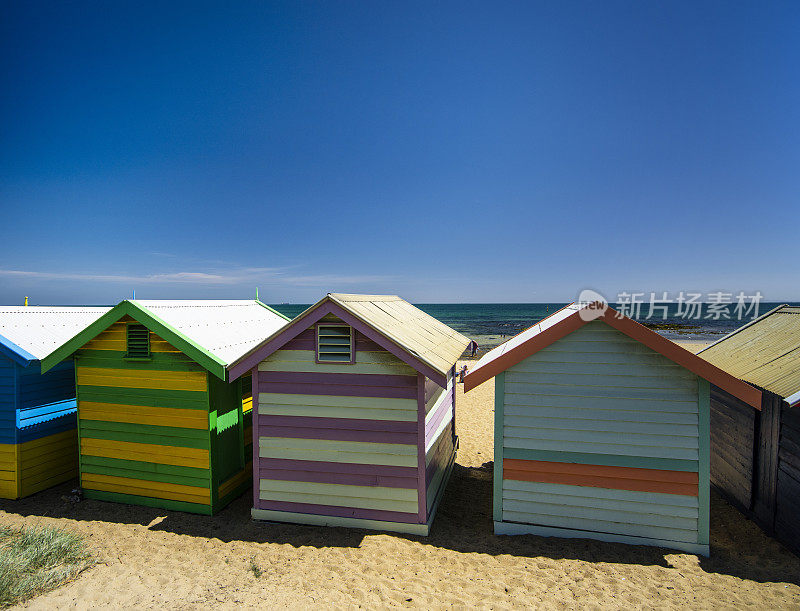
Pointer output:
49, 444
8, 453
145, 452
9, 471
115, 338
142, 414
29, 467
142, 378
140, 487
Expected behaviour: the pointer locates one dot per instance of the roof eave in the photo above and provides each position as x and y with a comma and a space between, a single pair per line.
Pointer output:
16, 353
202, 356
262, 350
676, 353
306, 318
273, 310
395, 341
524, 350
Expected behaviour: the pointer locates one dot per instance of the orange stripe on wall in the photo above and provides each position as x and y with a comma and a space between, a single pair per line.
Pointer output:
599, 476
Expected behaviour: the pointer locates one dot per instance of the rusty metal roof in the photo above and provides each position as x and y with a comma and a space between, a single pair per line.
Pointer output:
764, 352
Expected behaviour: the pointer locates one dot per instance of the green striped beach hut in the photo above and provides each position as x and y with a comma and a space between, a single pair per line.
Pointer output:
159, 424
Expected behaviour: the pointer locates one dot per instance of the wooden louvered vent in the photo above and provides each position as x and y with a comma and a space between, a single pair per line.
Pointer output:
334, 344
138, 342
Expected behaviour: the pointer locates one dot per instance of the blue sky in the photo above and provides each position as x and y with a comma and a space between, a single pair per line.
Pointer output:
462, 152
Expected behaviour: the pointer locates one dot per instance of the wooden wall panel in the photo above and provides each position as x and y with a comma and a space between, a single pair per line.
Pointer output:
594, 424
337, 441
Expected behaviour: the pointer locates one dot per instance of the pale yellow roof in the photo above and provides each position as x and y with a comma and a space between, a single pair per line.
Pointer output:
764, 352
430, 340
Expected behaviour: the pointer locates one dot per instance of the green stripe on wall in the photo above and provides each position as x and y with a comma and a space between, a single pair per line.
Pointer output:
169, 474
132, 499
608, 460
143, 433
182, 399
161, 361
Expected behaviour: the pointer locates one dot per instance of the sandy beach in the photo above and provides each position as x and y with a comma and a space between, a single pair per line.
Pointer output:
154, 558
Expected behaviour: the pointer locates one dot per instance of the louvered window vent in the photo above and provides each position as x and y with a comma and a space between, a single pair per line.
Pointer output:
334, 344
138, 342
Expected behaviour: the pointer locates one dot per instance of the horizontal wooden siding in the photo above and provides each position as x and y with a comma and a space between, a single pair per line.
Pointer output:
144, 425
601, 433
337, 439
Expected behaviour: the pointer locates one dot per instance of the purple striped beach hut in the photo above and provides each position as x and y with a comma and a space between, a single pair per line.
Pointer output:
354, 419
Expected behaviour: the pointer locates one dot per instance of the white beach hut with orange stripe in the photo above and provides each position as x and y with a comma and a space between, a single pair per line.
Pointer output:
602, 431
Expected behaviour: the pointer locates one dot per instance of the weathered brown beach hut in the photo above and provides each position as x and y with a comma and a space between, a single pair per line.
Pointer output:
755, 450
602, 431
354, 415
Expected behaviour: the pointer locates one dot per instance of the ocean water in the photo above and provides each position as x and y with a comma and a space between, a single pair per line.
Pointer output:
490, 324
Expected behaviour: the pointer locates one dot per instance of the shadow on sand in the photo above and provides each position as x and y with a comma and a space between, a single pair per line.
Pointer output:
463, 524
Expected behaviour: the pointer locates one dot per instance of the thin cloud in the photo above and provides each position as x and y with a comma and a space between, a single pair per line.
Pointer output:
248, 275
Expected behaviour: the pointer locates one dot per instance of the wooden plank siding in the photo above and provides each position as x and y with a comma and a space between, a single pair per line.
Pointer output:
733, 431
339, 443
787, 493
601, 435
755, 461
8, 401
38, 440
440, 439
160, 432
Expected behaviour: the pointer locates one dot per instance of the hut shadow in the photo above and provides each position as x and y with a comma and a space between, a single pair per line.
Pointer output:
463, 524
233, 523
740, 548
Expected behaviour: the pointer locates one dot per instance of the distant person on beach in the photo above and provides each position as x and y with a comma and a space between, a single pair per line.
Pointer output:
472, 347
461, 373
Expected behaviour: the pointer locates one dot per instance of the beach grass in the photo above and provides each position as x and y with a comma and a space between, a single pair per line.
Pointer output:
37, 559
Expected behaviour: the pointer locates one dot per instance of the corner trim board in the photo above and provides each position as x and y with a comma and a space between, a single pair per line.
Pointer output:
499, 398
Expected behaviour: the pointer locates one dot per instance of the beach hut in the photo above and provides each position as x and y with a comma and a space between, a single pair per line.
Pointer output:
158, 422
755, 450
355, 424
38, 442
602, 431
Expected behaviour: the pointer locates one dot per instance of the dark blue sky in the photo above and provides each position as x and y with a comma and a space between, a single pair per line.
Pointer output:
458, 152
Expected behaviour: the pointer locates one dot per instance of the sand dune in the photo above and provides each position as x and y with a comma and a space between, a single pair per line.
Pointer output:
154, 558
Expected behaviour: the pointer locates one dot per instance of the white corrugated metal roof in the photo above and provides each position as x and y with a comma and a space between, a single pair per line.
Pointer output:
227, 329
41, 329
524, 336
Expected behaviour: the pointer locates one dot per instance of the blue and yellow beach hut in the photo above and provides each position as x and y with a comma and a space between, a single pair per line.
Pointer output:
38, 442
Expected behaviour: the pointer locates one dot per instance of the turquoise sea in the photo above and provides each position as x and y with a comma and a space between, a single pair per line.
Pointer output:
491, 324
